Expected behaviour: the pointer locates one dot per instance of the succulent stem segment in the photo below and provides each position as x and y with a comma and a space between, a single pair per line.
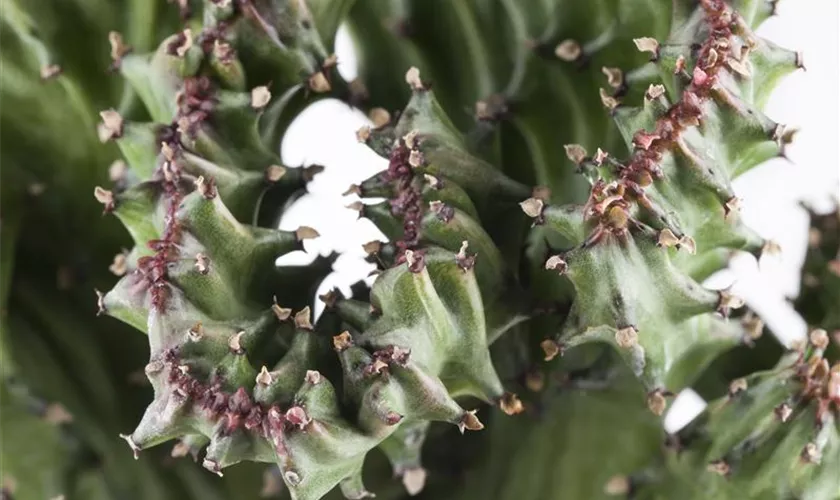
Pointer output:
232, 371
672, 195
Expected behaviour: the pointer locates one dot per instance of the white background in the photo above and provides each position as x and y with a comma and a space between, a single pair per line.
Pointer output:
808, 100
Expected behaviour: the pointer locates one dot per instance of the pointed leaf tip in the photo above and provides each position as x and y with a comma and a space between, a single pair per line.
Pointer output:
303, 319
134, 448
264, 378
212, 466
282, 313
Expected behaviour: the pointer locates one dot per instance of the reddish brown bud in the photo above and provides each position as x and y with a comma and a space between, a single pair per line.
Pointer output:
342, 341
363, 134
727, 302
470, 422
551, 349
297, 416
510, 404
212, 466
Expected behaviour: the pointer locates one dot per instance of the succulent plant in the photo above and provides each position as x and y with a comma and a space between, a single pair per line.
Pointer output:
558, 186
